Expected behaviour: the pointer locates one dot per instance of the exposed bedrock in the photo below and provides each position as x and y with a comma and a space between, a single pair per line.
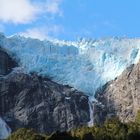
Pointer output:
120, 97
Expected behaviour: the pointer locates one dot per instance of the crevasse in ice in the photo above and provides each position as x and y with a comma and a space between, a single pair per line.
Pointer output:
85, 65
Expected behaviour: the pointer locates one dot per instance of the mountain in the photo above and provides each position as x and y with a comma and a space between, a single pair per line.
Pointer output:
119, 97
32, 101
50, 85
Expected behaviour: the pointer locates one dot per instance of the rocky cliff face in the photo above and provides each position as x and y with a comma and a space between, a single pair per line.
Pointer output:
32, 101
120, 97
6, 63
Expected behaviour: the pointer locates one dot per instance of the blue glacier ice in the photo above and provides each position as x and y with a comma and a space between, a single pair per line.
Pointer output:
84, 64
4, 129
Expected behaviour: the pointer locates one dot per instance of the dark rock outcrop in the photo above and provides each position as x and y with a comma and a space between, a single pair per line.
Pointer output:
6, 63
32, 101
120, 97
35, 102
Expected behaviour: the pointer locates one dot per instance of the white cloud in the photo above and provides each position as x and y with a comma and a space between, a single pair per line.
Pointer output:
53, 7
43, 32
25, 11
17, 11
35, 33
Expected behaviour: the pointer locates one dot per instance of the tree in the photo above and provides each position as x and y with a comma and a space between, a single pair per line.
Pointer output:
61, 136
25, 134
137, 119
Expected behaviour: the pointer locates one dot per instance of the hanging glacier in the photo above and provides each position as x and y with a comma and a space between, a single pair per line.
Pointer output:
84, 64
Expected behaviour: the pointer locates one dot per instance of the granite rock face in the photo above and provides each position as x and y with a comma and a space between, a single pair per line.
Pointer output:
120, 97
31, 101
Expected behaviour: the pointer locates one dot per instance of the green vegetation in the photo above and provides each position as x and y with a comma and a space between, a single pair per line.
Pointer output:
25, 134
112, 129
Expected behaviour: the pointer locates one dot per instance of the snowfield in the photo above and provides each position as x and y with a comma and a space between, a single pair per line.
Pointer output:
85, 65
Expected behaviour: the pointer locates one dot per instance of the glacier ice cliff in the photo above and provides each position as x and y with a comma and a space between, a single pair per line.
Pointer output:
85, 65
4, 129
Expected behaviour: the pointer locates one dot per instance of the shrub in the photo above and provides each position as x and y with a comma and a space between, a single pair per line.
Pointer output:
25, 134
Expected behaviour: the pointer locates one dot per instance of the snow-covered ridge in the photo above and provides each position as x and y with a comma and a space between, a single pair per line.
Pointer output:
85, 64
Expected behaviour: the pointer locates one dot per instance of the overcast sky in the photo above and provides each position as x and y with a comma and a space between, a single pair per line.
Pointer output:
70, 19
